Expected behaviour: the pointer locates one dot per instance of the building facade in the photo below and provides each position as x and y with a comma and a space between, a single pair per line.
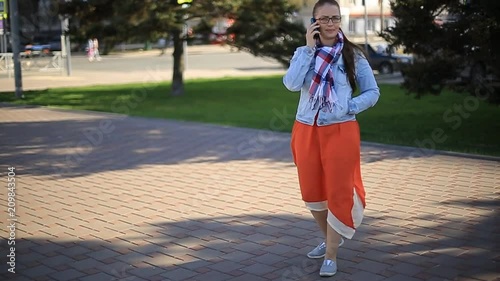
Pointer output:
379, 16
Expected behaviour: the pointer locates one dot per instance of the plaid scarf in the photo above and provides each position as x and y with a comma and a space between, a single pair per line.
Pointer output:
322, 90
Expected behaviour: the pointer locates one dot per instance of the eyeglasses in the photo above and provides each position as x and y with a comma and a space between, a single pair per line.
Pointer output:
326, 20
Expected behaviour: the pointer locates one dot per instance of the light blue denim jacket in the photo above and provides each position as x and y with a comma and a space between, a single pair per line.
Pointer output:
299, 76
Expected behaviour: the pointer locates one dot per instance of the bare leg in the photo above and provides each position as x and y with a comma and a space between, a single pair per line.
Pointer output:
320, 217
332, 244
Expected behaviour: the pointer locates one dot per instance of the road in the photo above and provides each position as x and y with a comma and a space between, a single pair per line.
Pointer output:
215, 60
149, 66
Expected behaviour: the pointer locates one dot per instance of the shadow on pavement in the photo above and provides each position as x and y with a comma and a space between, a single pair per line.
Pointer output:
262, 247
107, 142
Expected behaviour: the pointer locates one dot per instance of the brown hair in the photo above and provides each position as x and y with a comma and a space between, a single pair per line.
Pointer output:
349, 50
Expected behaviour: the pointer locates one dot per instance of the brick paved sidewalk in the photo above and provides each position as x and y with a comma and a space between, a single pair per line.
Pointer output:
144, 199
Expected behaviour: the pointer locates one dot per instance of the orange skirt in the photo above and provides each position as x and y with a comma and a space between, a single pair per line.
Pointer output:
329, 171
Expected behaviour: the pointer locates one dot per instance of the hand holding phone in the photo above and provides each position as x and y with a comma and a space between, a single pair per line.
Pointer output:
312, 33
316, 36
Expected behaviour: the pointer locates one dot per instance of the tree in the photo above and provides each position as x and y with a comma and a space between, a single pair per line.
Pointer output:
110, 21
451, 41
275, 33
29, 15
125, 20
170, 17
36, 17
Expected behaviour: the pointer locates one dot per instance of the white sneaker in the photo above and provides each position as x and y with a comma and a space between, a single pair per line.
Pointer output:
320, 250
329, 268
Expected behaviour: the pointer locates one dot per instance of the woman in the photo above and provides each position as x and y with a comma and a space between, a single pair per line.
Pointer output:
90, 50
325, 138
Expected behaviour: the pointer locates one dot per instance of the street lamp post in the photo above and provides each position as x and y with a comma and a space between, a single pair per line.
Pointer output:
381, 3
3, 17
14, 23
65, 42
3, 45
366, 27
185, 28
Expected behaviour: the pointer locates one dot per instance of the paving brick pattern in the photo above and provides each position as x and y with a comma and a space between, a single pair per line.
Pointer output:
104, 197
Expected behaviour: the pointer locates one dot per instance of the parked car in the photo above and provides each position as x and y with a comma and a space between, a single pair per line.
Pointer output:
479, 67
37, 47
43, 45
386, 62
55, 44
219, 31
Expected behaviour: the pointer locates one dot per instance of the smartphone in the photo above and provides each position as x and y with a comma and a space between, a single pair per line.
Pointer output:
316, 36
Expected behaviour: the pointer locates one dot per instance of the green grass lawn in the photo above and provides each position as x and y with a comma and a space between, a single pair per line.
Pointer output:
454, 122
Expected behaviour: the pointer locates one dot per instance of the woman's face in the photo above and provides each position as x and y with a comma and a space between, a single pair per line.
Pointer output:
329, 20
